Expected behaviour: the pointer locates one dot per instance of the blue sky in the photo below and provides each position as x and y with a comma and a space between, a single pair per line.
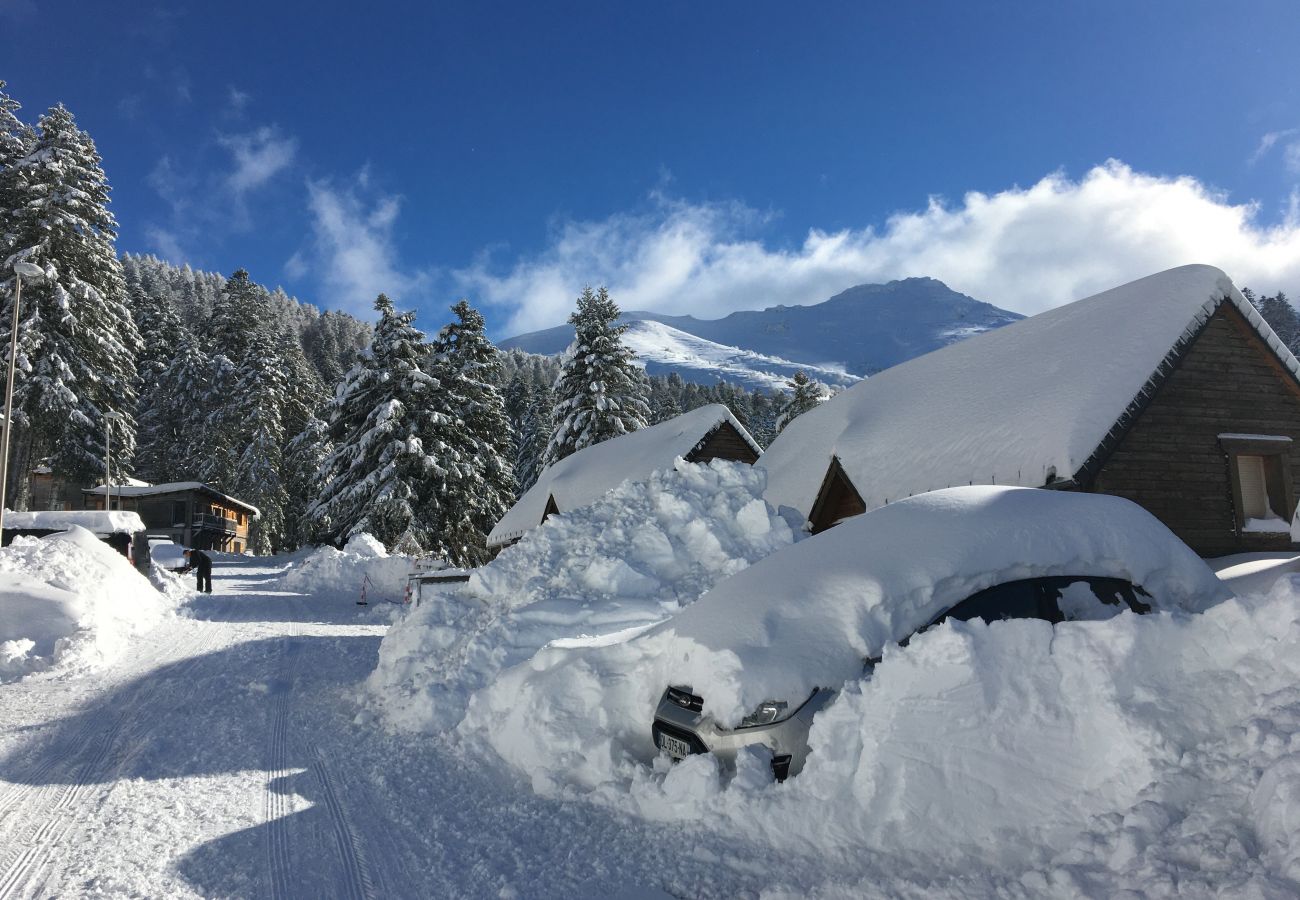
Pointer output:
697, 157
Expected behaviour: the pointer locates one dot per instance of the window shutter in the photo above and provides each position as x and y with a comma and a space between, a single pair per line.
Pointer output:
1254, 491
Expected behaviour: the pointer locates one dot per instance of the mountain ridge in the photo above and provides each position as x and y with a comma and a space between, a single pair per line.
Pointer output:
859, 331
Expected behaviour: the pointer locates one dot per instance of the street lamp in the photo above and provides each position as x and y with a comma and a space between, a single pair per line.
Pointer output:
35, 273
108, 460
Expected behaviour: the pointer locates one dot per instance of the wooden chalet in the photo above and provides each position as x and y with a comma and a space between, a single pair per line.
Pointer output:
1170, 391
710, 432
191, 513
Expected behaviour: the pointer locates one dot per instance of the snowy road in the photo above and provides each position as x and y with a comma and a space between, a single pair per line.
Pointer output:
225, 757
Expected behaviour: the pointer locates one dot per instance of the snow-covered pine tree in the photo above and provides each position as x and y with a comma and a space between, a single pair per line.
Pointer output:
381, 475
600, 393
173, 421
534, 432
805, 394
477, 484
80, 357
257, 405
13, 147
222, 430
303, 466
241, 310
156, 318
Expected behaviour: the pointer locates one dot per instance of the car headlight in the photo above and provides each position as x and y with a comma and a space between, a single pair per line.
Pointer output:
768, 711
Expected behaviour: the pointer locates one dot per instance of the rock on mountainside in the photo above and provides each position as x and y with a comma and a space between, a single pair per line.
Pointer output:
855, 333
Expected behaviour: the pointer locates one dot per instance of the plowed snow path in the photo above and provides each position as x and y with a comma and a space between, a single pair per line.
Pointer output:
224, 758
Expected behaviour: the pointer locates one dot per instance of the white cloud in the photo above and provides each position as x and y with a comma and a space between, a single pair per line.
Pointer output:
167, 244
1026, 249
352, 253
237, 99
258, 157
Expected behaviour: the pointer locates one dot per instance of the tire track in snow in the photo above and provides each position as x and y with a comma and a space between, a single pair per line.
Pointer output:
101, 769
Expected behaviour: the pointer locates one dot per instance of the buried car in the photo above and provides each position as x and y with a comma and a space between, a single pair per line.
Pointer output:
754, 660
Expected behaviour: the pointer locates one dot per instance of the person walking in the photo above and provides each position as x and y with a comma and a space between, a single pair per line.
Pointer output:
201, 563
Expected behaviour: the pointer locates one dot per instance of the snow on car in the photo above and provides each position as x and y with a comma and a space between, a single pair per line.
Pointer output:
931, 745
760, 654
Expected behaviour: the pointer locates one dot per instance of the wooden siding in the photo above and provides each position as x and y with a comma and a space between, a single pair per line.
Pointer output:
1171, 460
837, 500
723, 442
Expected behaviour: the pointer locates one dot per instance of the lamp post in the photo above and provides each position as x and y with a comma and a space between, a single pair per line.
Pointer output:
108, 460
35, 273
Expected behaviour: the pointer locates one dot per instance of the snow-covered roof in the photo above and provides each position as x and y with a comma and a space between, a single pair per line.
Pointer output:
171, 487
592, 472
1015, 406
93, 520
810, 614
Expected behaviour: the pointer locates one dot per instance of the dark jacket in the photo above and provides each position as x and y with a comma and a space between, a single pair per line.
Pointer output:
199, 560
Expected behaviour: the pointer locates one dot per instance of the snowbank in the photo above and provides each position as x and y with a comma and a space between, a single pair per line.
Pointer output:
1155, 753
1002, 741
70, 601
327, 570
94, 521
640, 554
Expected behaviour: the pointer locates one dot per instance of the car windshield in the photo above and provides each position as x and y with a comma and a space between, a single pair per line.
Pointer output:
1057, 599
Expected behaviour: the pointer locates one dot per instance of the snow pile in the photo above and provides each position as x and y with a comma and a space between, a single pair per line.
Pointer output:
584, 477
71, 601
94, 521
1157, 753
809, 615
327, 570
640, 554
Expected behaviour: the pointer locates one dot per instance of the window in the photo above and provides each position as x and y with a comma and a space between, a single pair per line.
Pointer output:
1260, 472
178, 514
1062, 599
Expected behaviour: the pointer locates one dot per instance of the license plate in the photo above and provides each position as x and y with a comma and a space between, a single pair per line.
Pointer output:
679, 749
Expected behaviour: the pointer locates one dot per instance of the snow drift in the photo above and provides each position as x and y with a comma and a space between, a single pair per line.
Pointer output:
1154, 752
69, 601
328, 570
643, 552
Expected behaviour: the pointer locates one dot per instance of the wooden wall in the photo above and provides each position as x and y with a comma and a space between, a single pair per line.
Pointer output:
724, 442
1171, 461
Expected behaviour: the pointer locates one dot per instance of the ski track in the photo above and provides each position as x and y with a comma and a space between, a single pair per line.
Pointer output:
279, 861
59, 808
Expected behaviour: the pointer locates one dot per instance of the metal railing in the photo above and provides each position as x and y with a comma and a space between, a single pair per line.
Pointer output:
215, 523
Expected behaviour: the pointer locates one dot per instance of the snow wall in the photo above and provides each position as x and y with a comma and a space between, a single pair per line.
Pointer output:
628, 561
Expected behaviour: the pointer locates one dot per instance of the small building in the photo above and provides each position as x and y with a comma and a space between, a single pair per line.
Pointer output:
1170, 391
710, 432
189, 512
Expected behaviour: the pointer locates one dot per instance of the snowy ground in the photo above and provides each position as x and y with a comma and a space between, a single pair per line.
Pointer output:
222, 757
228, 755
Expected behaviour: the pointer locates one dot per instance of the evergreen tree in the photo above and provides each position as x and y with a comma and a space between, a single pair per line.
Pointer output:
303, 464
1282, 318
79, 341
534, 432
477, 483
260, 397
173, 421
380, 476
805, 394
600, 393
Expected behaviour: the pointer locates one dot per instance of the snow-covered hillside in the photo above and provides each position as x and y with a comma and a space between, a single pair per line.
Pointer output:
857, 332
665, 349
